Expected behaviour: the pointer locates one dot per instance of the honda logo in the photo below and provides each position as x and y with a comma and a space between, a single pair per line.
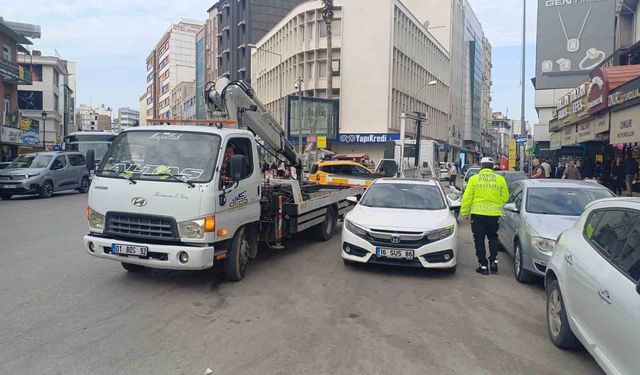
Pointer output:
395, 238
139, 202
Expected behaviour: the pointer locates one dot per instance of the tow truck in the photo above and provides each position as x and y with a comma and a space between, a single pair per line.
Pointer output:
186, 197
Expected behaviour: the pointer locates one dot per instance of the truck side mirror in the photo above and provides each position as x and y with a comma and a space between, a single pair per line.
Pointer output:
237, 166
91, 160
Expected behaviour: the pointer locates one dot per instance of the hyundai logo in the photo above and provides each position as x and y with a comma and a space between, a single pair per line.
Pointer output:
395, 238
139, 202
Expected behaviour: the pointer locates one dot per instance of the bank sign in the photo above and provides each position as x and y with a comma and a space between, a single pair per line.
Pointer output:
367, 138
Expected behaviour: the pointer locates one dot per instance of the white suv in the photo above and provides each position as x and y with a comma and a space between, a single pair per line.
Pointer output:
593, 294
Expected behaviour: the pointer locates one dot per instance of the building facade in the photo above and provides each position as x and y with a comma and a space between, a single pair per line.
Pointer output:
92, 119
12, 129
501, 128
240, 23
485, 110
142, 109
182, 93
371, 86
127, 118
172, 61
48, 99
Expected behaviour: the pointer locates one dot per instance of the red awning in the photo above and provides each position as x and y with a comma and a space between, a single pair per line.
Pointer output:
618, 75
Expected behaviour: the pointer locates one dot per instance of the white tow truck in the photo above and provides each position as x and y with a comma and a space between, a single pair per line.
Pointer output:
185, 197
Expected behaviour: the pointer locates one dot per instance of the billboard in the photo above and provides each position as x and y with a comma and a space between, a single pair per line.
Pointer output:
320, 116
573, 38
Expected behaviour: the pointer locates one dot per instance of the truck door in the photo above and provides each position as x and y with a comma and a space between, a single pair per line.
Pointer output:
239, 201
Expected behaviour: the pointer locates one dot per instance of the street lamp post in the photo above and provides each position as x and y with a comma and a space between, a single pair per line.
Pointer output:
44, 130
280, 109
298, 86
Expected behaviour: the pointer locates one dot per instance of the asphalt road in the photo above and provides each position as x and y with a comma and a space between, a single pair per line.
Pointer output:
299, 311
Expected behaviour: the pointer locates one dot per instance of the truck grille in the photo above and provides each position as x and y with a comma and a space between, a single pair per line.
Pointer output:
141, 226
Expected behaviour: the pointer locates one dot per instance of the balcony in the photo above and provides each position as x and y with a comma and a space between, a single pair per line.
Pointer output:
13, 73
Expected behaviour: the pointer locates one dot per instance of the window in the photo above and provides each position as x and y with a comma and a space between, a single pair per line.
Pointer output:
404, 196
7, 107
322, 29
6, 52
77, 160
30, 100
322, 69
56, 102
56, 79
628, 260
241, 146
562, 201
36, 71
607, 230
59, 163
362, 171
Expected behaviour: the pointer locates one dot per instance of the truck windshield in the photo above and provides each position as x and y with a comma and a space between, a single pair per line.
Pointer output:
158, 155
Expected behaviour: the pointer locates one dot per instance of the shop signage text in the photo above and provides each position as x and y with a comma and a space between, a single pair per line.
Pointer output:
571, 107
598, 91
625, 126
367, 138
626, 95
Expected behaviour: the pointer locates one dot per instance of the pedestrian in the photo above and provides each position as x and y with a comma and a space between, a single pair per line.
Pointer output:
560, 171
588, 169
630, 172
537, 170
606, 174
546, 166
571, 172
617, 176
453, 174
483, 199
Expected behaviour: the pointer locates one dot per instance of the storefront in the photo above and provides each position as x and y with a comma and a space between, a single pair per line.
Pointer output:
624, 104
371, 144
16, 141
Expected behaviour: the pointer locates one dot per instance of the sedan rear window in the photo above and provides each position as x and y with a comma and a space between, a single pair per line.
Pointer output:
562, 201
404, 196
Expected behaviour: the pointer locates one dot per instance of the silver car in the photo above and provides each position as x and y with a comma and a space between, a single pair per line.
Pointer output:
537, 212
44, 173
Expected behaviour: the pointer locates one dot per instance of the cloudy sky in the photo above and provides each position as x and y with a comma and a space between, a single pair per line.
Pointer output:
110, 41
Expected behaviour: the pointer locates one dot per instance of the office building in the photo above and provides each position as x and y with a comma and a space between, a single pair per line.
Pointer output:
173, 60
240, 23
182, 101
485, 109
371, 86
501, 127
127, 118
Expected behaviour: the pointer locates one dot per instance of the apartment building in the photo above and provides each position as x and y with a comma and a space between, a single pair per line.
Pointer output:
127, 118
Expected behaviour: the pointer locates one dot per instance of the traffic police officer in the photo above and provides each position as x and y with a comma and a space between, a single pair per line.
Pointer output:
483, 199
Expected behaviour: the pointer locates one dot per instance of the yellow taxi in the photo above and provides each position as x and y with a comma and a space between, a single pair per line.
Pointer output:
340, 172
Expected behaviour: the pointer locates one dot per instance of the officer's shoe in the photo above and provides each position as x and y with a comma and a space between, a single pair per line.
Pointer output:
482, 269
494, 266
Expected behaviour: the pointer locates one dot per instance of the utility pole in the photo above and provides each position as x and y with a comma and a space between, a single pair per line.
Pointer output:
522, 123
327, 16
300, 114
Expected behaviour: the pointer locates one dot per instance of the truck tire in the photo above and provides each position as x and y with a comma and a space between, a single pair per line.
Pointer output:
5, 197
238, 256
46, 191
324, 230
131, 267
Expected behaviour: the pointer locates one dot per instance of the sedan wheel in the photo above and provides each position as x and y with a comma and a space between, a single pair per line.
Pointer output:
520, 273
46, 191
557, 323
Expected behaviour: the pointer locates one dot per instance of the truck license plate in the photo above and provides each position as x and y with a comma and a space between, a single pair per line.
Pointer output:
139, 251
394, 253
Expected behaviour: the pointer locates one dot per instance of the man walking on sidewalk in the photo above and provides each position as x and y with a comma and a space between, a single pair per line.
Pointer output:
631, 172
483, 199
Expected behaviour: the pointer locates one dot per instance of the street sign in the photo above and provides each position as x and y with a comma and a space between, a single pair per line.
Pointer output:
521, 141
322, 141
512, 154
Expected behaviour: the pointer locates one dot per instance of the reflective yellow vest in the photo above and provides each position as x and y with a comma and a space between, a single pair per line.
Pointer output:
485, 194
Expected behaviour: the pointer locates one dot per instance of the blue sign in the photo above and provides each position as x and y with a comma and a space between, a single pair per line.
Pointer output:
56, 148
366, 138
521, 141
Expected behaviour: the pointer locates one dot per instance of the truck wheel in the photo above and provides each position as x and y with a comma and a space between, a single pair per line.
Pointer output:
132, 267
5, 197
46, 191
324, 230
84, 185
238, 256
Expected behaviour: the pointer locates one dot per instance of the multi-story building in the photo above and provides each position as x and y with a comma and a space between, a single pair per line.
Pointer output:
206, 59
240, 23
485, 110
501, 127
89, 118
180, 94
142, 109
127, 118
11, 75
48, 99
200, 72
372, 86
172, 61
70, 99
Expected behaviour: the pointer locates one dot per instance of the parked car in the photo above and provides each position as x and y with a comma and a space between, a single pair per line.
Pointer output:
4, 164
593, 288
444, 172
44, 173
404, 222
467, 175
341, 173
537, 212
513, 176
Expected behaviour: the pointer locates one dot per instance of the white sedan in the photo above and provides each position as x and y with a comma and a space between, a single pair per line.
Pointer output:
592, 283
405, 222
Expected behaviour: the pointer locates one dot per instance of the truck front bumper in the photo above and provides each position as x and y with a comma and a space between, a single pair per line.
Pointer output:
159, 256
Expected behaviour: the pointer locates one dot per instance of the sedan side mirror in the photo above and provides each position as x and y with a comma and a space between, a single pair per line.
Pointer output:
353, 199
511, 207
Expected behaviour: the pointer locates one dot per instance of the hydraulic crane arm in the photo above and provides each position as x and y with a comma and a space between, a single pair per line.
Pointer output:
236, 100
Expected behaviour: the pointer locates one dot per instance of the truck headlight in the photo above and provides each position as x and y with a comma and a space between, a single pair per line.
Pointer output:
195, 229
95, 219
358, 231
543, 244
440, 234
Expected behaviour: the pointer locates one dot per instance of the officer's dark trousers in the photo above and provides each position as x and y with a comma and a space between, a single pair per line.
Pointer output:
485, 226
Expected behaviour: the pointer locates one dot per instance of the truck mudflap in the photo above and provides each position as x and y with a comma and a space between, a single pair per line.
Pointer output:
157, 256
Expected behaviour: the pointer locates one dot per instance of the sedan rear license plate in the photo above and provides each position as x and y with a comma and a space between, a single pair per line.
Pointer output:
10, 186
394, 253
139, 251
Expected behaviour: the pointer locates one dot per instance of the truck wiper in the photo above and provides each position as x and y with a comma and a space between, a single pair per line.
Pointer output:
173, 177
128, 177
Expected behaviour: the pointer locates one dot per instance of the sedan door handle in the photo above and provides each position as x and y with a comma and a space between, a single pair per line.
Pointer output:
569, 259
604, 294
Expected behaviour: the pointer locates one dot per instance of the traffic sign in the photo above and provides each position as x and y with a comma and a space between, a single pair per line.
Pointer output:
521, 141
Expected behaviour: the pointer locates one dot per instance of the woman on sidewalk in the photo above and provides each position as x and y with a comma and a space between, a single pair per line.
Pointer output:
571, 172
617, 176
